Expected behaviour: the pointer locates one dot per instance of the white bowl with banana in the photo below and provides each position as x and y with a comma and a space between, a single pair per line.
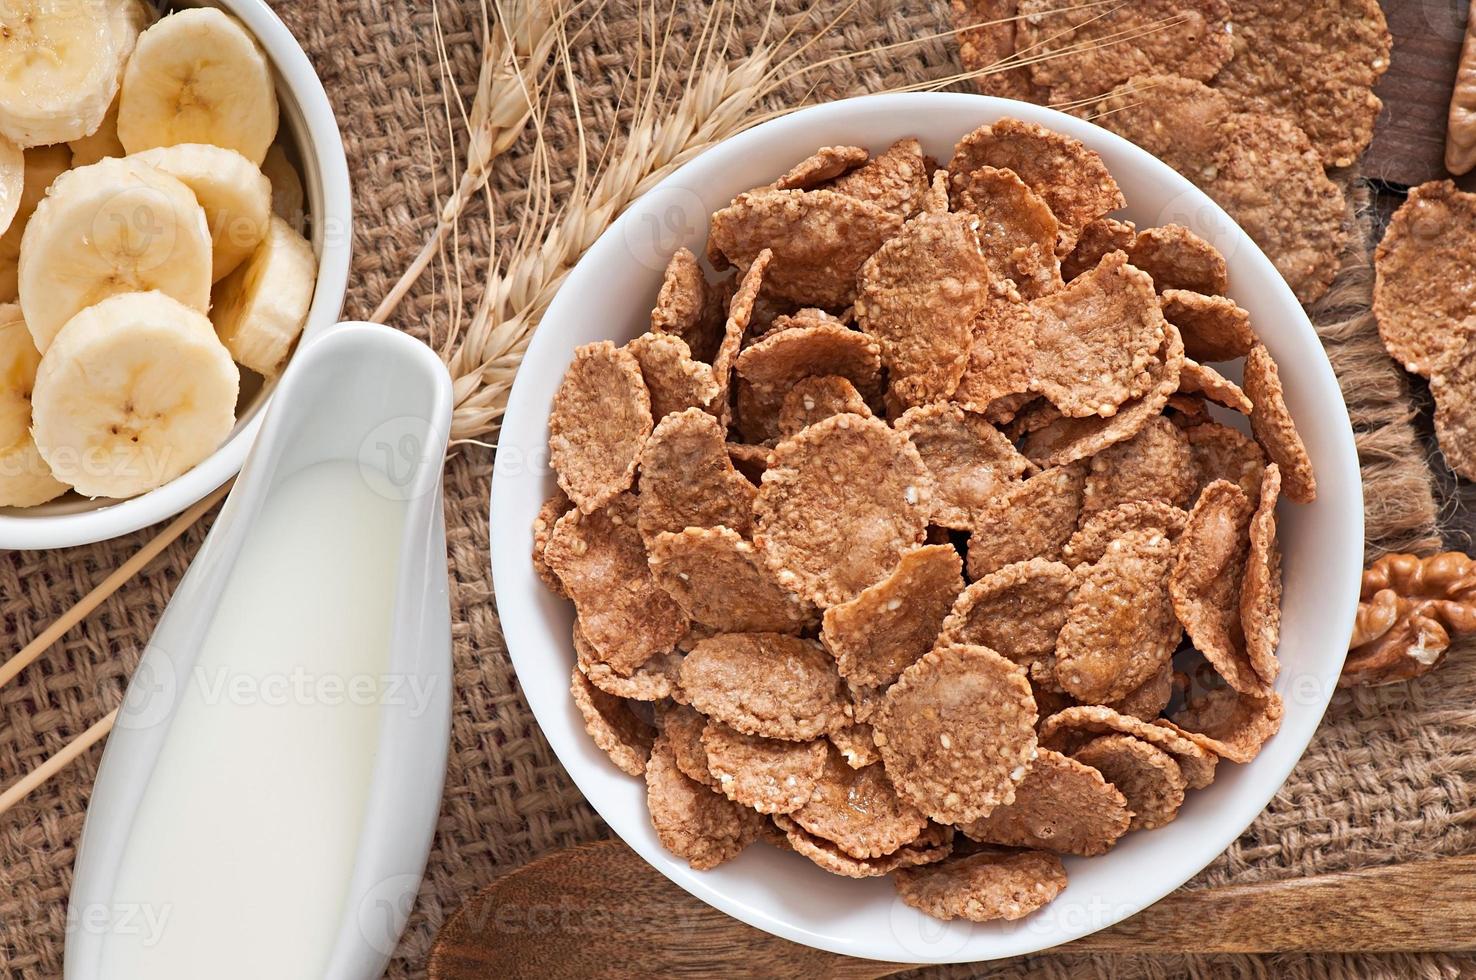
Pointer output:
174, 222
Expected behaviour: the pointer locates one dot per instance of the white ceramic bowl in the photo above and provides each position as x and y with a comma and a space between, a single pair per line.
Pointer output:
609, 295
308, 120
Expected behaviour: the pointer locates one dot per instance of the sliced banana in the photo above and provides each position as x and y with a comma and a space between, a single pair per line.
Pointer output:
197, 76
25, 479
101, 144
12, 181
260, 308
43, 165
236, 196
132, 392
60, 61
287, 195
118, 226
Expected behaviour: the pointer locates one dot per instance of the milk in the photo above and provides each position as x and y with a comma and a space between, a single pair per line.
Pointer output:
239, 858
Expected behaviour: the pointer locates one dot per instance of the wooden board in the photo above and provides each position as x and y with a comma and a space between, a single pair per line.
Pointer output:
1409, 140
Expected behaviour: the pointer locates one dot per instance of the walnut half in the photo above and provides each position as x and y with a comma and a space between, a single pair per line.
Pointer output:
1411, 610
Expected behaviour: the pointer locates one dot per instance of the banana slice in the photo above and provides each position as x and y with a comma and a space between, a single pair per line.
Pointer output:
132, 392
198, 77
101, 144
236, 196
260, 308
12, 181
118, 226
25, 479
43, 165
60, 63
287, 195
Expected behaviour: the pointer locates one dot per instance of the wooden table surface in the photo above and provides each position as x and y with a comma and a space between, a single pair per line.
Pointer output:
1408, 149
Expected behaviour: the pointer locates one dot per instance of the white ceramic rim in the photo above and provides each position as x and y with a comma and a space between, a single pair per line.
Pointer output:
1174, 853
306, 110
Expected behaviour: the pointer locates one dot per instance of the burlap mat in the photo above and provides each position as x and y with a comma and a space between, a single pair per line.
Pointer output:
1390, 776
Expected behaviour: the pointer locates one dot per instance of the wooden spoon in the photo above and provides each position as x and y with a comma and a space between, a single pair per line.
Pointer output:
599, 910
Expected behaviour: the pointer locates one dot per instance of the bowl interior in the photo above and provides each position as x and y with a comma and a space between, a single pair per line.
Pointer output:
609, 295
317, 153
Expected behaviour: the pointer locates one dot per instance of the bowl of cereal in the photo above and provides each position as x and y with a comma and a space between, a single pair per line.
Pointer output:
952, 562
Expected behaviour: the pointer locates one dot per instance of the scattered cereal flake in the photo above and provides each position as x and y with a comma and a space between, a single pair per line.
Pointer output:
1016, 611
1100, 237
865, 700
840, 502
811, 399
1072, 727
625, 738
1260, 589
1177, 119
1148, 777
826, 163
986, 43
1229, 724
1177, 258
1148, 699
774, 364
654, 680
553, 508
896, 181
673, 378
1071, 179
1315, 63
933, 844
685, 307
1214, 327
764, 773
1223, 453
819, 239
721, 582
1095, 340
1061, 805
985, 886
889, 625
856, 744
766, 684
601, 560
1454, 388
1080, 49
918, 296
682, 726
600, 420
1201, 379
740, 313
1033, 519
1259, 167
1424, 318
1274, 429
941, 759
969, 460
1206, 581
859, 811
935, 201
1001, 357
1015, 227
693, 822
688, 480
1120, 629
749, 460
1064, 440
1156, 464
1271, 181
